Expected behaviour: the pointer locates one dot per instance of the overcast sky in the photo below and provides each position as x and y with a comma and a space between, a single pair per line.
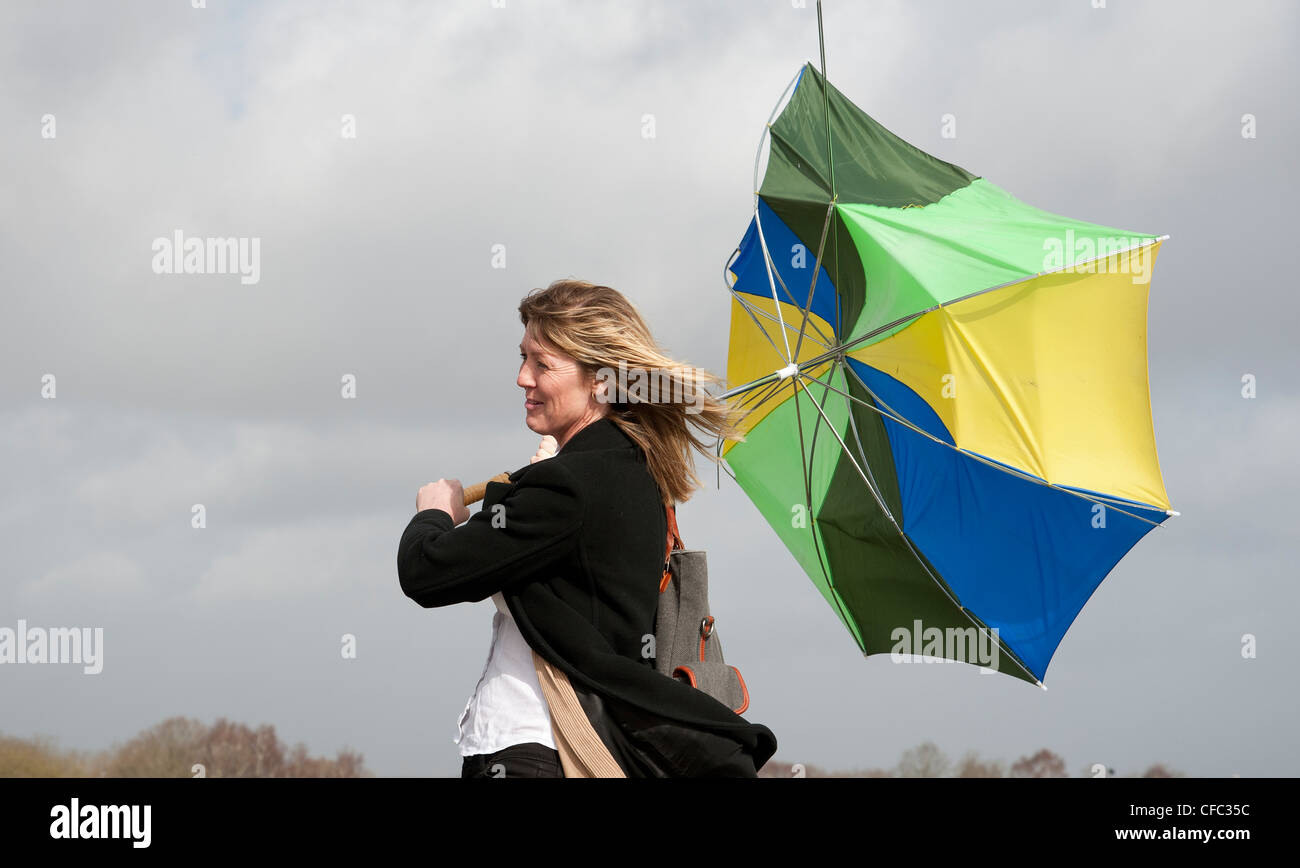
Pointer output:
522, 126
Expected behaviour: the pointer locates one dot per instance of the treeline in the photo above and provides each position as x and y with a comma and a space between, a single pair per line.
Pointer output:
179, 747
184, 748
927, 761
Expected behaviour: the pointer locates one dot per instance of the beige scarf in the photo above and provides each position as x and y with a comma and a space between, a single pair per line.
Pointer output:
582, 753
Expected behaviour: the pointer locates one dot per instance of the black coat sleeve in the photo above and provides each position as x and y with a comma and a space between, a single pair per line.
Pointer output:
521, 536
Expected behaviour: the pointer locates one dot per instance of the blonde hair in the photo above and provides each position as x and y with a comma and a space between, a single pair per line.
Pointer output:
602, 331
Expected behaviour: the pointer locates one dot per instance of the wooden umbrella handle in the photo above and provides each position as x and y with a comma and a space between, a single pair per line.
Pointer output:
475, 492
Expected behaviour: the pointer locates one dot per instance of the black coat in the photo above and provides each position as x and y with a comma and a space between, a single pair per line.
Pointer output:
575, 543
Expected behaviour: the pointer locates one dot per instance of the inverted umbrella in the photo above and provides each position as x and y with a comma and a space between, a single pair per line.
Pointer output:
947, 411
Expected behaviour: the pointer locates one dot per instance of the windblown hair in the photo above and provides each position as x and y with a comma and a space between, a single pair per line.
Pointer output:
599, 328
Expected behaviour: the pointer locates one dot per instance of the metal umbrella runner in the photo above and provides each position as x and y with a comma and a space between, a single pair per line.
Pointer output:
947, 415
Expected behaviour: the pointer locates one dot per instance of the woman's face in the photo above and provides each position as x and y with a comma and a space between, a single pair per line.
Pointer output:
558, 397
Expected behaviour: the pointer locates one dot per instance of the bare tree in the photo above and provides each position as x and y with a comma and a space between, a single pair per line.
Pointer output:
173, 748
1159, 771
166, 750
39, 758
971, 766
1043, 764
925, 761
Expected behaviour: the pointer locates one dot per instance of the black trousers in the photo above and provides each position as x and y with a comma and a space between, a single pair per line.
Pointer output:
528, 760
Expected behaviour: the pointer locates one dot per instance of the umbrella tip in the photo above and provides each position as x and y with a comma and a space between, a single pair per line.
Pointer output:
1172, 512
1041, 684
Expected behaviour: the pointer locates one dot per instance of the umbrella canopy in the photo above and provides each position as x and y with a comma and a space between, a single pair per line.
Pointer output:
948, 417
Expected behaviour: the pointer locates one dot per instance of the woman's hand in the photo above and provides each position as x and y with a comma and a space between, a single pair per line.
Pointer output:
546, 450
445, 494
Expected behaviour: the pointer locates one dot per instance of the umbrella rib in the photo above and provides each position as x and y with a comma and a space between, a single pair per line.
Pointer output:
720, 464
887, 326
769, 133
757, 324
805, 161
807, 493
821, 247
767, 127
826, 99
1026, 476
767, 264
758, 398
770, 390
849, 452
726, 269
830, 206
758, 223
862, 453
824, 342
941, 585
751, 310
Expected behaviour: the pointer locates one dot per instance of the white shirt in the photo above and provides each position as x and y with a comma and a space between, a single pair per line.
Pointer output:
507, 707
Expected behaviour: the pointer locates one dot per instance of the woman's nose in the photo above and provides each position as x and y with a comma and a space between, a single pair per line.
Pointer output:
525, 379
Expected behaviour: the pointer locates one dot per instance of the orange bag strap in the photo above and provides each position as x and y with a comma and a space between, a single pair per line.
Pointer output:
674, 541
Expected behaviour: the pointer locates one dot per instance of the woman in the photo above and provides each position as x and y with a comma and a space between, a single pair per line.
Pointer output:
573, 550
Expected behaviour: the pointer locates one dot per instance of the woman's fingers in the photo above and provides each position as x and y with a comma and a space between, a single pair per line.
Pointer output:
547, 449
445, 494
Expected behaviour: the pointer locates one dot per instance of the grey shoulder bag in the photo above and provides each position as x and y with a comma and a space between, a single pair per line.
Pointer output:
686, 637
